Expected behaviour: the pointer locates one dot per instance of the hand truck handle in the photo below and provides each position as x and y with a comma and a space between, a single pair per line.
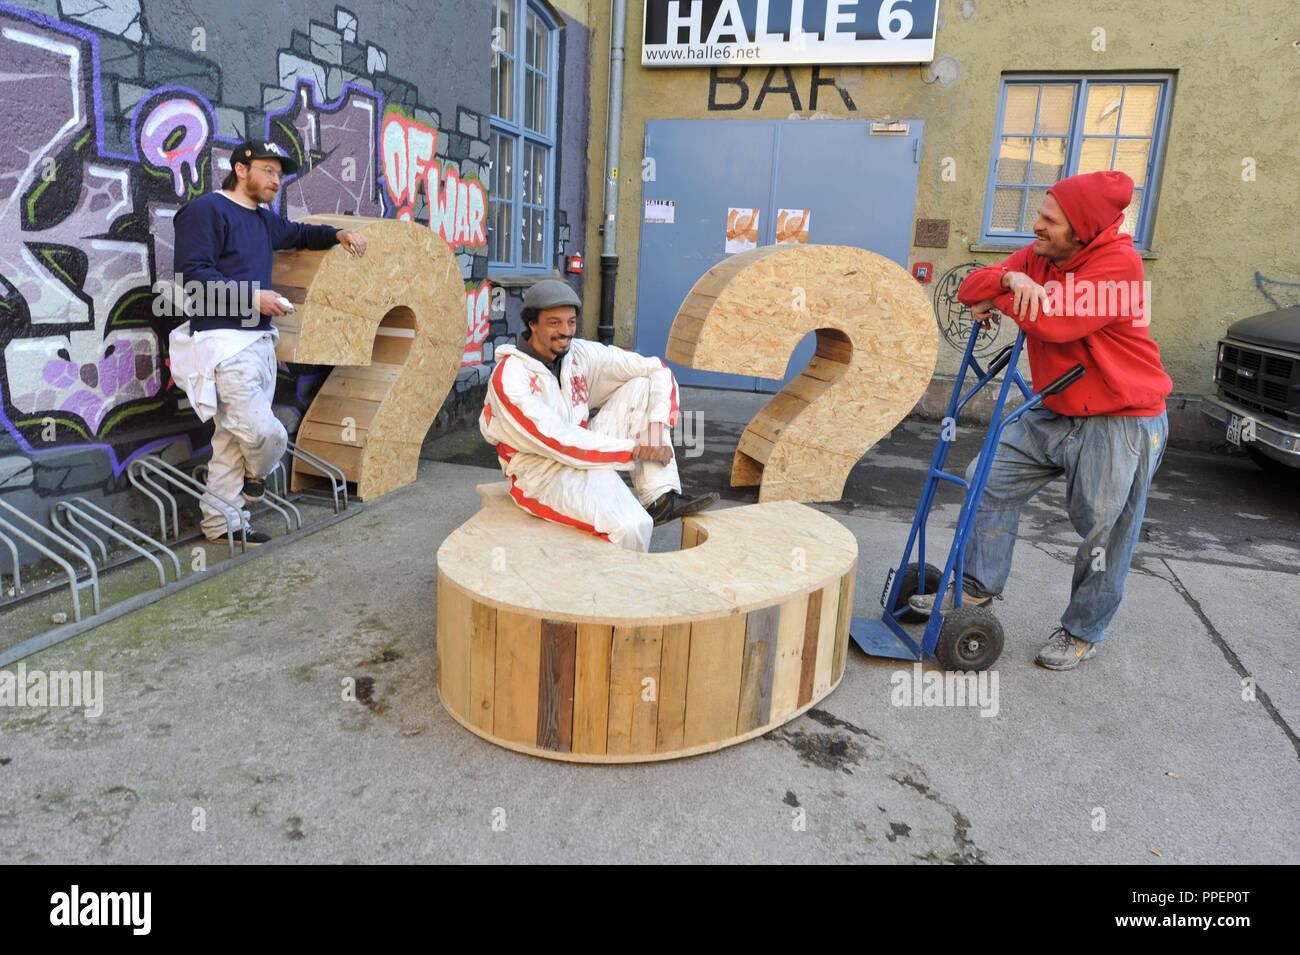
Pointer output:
1065, 381
1000, 360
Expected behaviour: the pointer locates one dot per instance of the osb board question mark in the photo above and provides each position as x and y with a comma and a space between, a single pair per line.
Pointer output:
876, 350
631, 657
394, 324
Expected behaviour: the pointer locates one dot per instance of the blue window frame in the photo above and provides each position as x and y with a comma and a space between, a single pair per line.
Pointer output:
521, 190
1051, 127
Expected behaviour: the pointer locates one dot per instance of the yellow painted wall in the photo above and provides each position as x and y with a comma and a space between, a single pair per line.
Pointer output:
1236, 95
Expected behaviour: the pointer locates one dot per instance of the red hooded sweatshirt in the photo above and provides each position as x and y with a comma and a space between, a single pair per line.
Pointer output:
1099, 318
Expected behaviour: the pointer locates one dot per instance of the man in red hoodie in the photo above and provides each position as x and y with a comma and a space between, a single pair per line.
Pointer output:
1078, 293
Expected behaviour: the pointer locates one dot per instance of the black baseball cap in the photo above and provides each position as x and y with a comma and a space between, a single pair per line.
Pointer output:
252, 149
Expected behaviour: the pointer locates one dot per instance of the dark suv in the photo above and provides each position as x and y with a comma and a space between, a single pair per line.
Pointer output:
1258, 397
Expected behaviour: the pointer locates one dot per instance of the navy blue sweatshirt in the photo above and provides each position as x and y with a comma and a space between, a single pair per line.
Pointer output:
219, 240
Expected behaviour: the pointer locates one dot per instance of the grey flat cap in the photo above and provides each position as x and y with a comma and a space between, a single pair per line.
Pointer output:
551, 293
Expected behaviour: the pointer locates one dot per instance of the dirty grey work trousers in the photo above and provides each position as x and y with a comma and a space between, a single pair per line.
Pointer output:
248, 441
1108, 462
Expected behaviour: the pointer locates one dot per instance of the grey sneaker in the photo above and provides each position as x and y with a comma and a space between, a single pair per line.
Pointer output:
1065, 651
924, 603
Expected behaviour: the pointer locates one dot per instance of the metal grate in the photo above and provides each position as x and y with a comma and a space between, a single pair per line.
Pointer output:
1257, 380
1278, 367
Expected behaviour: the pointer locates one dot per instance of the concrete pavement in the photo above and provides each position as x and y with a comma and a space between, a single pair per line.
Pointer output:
225, 736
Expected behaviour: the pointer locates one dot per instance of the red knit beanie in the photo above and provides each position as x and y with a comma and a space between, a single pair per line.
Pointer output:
1093, 201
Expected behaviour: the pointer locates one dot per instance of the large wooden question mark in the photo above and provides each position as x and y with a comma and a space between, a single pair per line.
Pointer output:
877, 343
394, 323
628, 657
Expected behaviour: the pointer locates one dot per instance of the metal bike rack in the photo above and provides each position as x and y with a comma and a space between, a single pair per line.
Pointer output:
80, 525
142, 481
79, 510
332, 473
273, 501
150, 470
9, 530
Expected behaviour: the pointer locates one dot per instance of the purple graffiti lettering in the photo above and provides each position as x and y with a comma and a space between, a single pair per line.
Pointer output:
162, 121
59, 373
339, 142
120, 372
83, 353
99, 377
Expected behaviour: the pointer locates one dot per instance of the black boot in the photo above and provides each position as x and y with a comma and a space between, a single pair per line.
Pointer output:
671, 505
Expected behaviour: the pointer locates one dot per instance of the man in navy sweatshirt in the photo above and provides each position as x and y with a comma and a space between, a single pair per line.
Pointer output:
224, 356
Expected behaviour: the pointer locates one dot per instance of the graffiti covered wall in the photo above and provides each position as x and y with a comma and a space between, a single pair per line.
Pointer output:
111, 129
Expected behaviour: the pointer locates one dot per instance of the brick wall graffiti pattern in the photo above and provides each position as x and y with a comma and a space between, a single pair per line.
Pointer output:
98, 163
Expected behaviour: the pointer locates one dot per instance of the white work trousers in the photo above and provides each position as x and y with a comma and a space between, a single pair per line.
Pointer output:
248, 441
597, 500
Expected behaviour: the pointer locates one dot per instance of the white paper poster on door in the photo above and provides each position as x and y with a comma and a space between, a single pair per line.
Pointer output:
742, 230
792, 226
661, 210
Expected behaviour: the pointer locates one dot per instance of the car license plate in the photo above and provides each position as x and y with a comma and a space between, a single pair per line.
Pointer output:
1240, 429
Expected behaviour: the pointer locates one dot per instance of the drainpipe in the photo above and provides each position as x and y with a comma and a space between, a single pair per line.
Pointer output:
613, 125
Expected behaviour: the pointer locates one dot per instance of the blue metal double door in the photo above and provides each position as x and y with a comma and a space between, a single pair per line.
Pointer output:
859, 187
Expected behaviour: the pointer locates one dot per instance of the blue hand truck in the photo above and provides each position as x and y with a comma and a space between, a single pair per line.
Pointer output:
966, 637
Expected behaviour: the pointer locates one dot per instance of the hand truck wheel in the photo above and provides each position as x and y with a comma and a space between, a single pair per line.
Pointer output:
911, 585
970, 639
